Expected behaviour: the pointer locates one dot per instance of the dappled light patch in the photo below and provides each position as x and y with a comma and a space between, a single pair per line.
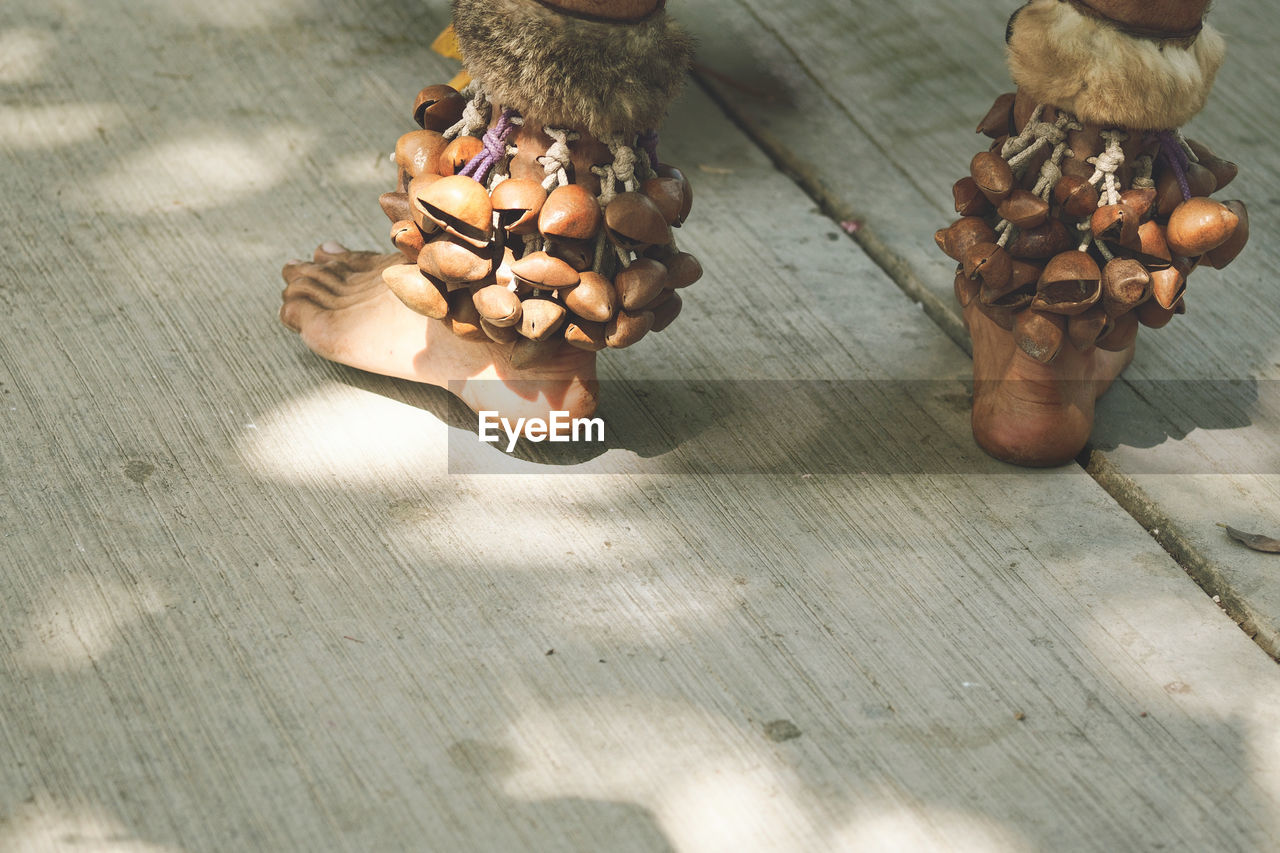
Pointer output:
24, 52
201, 171
77, 618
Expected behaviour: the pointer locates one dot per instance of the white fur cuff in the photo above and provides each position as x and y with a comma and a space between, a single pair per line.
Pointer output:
1086, 66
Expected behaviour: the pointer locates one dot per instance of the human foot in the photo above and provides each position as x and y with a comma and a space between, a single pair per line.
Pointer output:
1031, 413
534, 231
1086, 215
343, 310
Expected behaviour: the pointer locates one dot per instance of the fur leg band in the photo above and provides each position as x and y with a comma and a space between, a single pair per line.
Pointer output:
610, 78
1088, 66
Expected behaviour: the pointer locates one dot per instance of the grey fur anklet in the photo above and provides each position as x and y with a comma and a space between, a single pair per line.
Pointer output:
612, 79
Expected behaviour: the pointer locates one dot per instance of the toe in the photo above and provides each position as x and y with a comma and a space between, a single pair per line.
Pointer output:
310, 290
297, 310
329, 251
329, 277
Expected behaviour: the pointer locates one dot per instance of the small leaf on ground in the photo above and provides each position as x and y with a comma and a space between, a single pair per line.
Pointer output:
1255, 541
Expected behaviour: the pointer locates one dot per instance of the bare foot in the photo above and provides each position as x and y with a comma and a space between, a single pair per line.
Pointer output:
343, 311
581, 243
1030, 413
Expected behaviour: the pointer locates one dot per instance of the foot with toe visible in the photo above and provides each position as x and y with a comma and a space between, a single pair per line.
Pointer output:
1087, 213
1029, 412
342, 308
533, 218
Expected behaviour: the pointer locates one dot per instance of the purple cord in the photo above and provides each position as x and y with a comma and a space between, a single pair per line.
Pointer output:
1177, 160
648, 142
495, 148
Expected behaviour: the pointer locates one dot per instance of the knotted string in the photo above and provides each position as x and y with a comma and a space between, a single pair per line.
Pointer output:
1173, 154
495, 146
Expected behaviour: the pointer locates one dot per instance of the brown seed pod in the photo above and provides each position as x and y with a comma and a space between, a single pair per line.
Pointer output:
1024, 274
1141, 200
664, 296
1010, 303
593, 299
1224, 171
1084, 329
417, 210
455, 261
579, 254
1125, 285
438, 107
570, 212
1070, 284
407, 238
1001, 316
1202, 182
990, 265
1043, 241
463, 319
1077, 197
665, 313
541, 318
968, 198
1167, 286
1227, 252
1024, 209
956, 239
993, 176
639, 283
683, 269
662, 170
1199, 151
1152, 250
999, 119
1184, 265
1116, 223
502, 274
1040, 334
585, 335
966, 288
627, 328
634, 222
1198, 225
1169, 192
418, 151
499, 334
417, 291
668, 195
498, 305
518, 201
395, 206
459, 205
543, 272
458, 153
1153, 315
1073, 168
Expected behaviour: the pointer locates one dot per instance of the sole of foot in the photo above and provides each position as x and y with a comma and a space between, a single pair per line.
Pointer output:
343, 311
1029, 413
